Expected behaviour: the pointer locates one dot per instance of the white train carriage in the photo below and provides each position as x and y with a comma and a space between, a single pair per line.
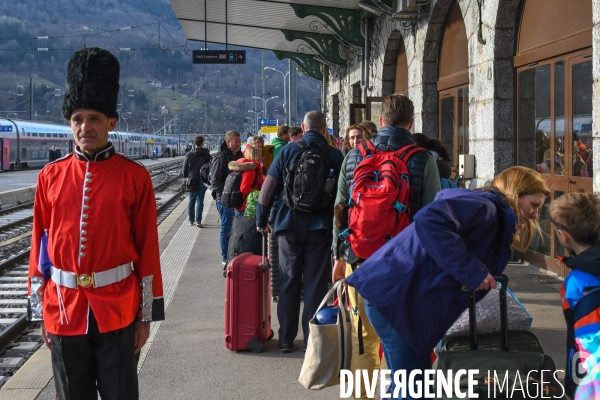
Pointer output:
25, 144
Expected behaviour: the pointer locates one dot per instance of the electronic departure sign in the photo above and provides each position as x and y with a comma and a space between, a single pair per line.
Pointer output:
219, 56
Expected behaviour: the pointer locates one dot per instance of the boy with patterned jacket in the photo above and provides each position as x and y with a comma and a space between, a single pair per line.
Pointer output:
576, 219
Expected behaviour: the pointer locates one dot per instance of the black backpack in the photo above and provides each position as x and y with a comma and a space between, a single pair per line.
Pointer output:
305, 184
232, 196
204, 173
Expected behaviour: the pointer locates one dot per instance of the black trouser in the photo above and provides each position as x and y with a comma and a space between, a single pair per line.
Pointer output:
303, 256
96, 362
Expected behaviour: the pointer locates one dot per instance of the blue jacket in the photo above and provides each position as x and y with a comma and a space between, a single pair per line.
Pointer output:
284, 220
415, 281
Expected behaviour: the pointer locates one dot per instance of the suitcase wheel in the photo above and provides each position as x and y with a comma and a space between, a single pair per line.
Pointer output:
271, 335
255, 345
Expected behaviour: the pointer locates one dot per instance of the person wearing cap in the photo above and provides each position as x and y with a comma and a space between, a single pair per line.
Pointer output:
94, 271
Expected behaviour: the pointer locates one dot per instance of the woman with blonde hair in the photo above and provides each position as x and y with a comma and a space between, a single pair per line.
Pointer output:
354, 135
414, 286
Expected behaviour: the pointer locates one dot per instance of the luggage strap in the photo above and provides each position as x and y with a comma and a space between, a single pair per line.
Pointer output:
361, 343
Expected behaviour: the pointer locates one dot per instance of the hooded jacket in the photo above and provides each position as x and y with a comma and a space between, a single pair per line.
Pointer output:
219, 168
278, 144
252, 178
194, 161
415, 281
584, 276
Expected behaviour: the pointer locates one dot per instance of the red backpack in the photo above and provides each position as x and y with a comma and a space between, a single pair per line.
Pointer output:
379, 198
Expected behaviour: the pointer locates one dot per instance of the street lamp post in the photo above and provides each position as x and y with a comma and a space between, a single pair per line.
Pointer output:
264, 111
125, 119
285, 97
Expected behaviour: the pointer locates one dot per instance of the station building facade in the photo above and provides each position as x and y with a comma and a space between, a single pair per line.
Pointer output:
512, 82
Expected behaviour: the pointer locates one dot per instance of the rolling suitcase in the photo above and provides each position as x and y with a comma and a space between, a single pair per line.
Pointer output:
248, 302
511, 355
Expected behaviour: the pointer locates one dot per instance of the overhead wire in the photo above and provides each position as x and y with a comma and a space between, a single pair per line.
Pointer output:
136, 23
155, 17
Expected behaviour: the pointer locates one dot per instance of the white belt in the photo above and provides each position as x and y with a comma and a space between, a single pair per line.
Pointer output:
97, 279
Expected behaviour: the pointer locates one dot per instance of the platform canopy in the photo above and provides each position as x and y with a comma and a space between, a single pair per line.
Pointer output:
310, 32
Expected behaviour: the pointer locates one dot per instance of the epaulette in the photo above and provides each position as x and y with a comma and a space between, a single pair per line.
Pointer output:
132, 160
60, 159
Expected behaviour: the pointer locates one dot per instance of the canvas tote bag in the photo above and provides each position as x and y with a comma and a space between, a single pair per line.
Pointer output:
329, 346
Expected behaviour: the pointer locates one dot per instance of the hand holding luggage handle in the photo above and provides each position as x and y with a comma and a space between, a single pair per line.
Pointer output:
503, 279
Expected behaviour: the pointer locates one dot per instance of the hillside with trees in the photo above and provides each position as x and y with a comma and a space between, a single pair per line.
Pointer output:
157, 75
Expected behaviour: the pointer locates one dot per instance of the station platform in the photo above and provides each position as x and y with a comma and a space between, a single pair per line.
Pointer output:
185, 357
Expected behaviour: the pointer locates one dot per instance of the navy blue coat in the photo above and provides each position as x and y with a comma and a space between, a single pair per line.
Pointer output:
415, 281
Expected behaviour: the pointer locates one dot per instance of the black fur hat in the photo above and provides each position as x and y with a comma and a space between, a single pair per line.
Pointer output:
92, 82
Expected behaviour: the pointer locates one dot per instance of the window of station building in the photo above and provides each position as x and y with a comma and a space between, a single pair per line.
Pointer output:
554, 81
401, 81
453, 85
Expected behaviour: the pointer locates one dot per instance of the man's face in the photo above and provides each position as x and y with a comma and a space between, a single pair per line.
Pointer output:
90, 129
297, 137
286, 137
235, 144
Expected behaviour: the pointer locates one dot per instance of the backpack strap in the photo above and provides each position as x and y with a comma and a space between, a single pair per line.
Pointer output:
406, 152
366, 148
302, 143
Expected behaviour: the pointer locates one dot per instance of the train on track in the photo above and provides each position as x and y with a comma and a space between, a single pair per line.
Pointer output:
25, 144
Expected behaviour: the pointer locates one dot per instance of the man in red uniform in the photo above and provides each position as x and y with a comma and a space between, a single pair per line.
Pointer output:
99, 285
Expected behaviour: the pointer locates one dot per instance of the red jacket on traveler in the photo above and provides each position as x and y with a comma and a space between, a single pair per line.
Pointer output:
252, 178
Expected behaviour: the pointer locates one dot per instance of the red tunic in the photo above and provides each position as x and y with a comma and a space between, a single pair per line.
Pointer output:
99, 214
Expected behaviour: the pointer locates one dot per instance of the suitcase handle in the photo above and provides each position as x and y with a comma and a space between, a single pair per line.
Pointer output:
503, 280
264, 250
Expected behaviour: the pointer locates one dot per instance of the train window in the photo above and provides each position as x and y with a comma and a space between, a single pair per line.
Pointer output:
42, 134
23, 152
28, 133
35, 134
55, 135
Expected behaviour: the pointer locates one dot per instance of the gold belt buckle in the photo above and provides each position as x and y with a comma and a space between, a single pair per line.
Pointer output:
85, 280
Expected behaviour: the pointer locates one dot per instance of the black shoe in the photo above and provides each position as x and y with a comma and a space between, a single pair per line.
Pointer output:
285, 347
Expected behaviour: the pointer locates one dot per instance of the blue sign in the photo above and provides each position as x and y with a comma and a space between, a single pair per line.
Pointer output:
6, 128
267, 122
586, 127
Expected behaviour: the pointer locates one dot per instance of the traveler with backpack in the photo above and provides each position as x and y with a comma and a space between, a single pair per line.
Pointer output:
442, 159
246, 177
196, 165
230, 151
303, 178
415, 285
407, 180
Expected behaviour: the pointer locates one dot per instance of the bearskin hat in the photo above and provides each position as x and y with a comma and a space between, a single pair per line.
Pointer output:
92, 82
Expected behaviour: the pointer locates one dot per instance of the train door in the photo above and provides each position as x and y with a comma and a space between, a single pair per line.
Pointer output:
4, 155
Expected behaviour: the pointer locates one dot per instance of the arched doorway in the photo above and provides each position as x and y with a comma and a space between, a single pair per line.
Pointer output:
453, 86
553, 64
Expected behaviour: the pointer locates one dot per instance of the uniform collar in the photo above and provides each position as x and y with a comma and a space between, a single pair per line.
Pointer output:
101, 155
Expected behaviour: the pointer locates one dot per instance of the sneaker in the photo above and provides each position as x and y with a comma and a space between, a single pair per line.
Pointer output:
224, 262
191, 224
199, 225
285, 347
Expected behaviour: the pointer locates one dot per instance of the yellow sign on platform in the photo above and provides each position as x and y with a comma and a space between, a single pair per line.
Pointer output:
269, 129
150, 140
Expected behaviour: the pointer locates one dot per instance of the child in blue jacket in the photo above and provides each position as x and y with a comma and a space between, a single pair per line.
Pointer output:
576, 219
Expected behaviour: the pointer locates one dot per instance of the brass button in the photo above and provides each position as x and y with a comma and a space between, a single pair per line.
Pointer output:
86, 207
88, 180
84, 224
86, 198
82, 254
87, 189
88, 175
84, 232
83, 247
85, 216
83, 239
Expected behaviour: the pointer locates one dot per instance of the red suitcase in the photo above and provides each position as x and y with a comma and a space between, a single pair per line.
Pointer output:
248, 302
